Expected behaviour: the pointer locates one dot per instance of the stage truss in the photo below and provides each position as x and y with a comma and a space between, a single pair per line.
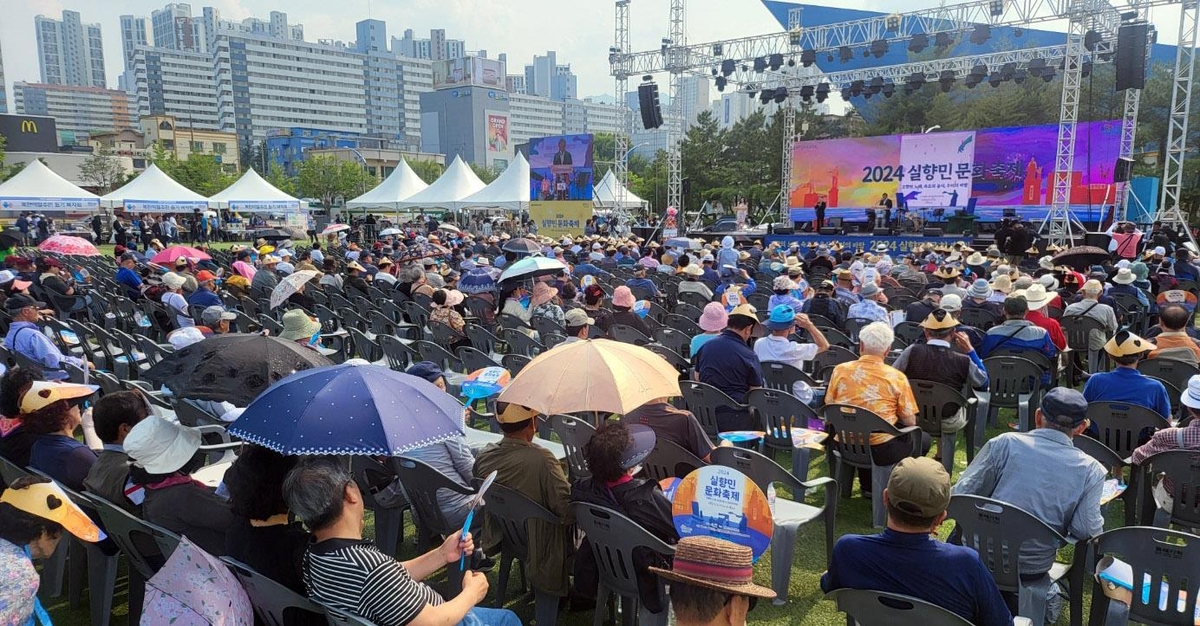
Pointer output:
1103, 17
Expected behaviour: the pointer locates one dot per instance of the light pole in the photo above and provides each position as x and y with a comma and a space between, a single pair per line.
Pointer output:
930, 129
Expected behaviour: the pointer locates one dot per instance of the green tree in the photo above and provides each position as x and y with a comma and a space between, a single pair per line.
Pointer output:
427, 170
486, 173
331, 179
604, 154
201, 173
7, 171
280, 179
103, 170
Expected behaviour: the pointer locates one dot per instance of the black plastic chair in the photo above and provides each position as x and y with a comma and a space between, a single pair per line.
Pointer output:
789, 515
669, 460
481, 338
613, 538
1169, 370
1078, 330
274, 604
421, 484
1111, 461
146, 545
398, 354
880, 608
627, 334
444, 335
1122, 426
545, 325
824, 362
978, 317
338, 617
511, 510
911, 332
1165, 564
1013, 383
430, 351
473, 359
514, 363
520, 343
998, 531
852, 428
682, 365
685, 325
372, 478
778, 413
936, 402
703, 400
783, 377
679, 342
574, 433
1182, 467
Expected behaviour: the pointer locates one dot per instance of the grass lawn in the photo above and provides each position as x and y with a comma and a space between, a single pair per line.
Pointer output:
806, 605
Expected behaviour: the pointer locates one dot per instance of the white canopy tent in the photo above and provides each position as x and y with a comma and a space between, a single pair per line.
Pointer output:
38, 188
155, 192
447, 192
400, 185
608, 194
252, 194
509, 191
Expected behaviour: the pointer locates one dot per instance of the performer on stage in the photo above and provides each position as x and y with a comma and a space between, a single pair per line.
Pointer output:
886, 203
820, 209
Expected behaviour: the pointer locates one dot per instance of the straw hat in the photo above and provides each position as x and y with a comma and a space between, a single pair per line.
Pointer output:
1125, 343
714, 564
542, 293
1002, 283
693, 270
1124, 276
939, 319
1036, 296
947, 272
1046, 263
298, 325
783, 283
975, 259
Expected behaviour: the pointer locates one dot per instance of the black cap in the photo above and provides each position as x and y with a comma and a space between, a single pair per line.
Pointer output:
129, 256
1065, 407
20, 301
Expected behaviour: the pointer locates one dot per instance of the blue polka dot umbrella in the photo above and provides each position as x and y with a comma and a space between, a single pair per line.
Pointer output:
350, 409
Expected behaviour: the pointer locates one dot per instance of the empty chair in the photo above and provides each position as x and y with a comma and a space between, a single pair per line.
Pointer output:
778, 413
613, 538
146, 545
511, 510
365, 346
669, 460
678, 362
679, 342
911, 332
627, 334
1165, 566
789, 515
783, 376
430, 351
398, 354
1078, 330
685, 325
937, 402
514, 362
520, 343
481, 338
473, 359
852, 428
574, 433
446, 336
824, 362
274, 604
980, 318
879, 608
1013, 383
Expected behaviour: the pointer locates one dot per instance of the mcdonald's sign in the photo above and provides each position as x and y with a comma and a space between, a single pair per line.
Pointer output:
29, 133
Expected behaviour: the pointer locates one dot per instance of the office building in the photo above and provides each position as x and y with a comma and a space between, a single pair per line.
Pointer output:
585, 116
416, 79
78, 111
454, 122
3, 90
183, 140
696, 95
515, 83
69, 51
531, 116
175, 28
437, 47
178, 83
383, 78
289, 146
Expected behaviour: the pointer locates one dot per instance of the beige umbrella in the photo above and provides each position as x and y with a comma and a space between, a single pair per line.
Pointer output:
289, 285
592, 375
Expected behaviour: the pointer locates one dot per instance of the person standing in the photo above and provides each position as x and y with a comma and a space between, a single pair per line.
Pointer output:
886, 203
819, 207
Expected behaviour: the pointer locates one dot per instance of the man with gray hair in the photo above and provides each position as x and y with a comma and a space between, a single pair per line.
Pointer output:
1043, 473
347, 572
1091, 306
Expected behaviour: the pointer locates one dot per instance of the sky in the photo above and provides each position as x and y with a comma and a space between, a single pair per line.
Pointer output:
580, 31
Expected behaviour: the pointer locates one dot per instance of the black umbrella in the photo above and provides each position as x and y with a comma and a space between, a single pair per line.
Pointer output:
1081, 257
10, 237
232, 368
273, 234
522, 246
419, 251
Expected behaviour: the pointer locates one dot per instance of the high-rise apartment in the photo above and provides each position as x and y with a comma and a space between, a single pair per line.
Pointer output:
176, 29
3, 93
383, 77
77, 110
69, 51
437, 47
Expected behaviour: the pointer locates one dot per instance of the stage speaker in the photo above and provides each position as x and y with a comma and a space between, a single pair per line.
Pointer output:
1100, 240
932, 232
784, 230
830, 230
835, 222
1122, 170
882, 232
1131, 55
649, 106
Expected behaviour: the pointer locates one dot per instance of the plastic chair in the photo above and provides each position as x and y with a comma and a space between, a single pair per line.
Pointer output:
935, 402
1183, 468
1120, 425
574, 433
399, 356
627, 334
703, 400
1165, 564
511, 510
680, 364
613, 538
444, 335
1169, 370
669, 460
1013, 383
679, 342
998, 532
825, 361
789, 515
520, 343
1110, 460
880, 608
778, 413
422, 483
373, 477
911, 332
146, 545
546, 325
430, 351
1079, 329
481, 338
852, 428
514, 363
338, 617
274, 604
473, 359
366, 346
783, 377
683, 324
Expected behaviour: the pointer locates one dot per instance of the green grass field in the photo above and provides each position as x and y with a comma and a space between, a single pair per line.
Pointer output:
806, 605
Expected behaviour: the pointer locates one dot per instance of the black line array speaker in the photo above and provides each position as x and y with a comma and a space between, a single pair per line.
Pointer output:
1131, 55
882, 232
1122, 170
830, 230
648, 103
932, 232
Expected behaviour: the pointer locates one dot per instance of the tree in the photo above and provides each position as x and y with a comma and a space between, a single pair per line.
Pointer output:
201, 173
604, 154
280, 179
7, 171
103, 170
331, 179
486, 173
428, 171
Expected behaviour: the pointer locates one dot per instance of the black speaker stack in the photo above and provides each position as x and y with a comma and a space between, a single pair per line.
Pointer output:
1122, 170
648, 104
932, 232
1131, 55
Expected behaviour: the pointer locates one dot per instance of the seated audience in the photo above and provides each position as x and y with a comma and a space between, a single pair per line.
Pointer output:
15, 440
1174, 342
712, 322
1180, 438
777, 347
26, 338
51, 411
1125, 383
115, 415
712, 582
262, 535
729, 364
957, 366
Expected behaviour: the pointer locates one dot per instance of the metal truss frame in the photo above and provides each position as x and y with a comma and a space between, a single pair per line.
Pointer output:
676, 118
624, 113
1181, 102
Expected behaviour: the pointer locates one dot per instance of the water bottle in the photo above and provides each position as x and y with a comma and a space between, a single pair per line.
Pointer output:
803, 392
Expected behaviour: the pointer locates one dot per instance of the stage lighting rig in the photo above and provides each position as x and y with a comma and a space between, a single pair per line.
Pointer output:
876, 85
888, 90
781, 94
845, 54
806, 93
1036, 67
892, 22
981, 34
879, 47
856, 87
715, 71
720, 82
822, 92
946, 80
918, 43
1019, 76
995, 79
1048, 75
1090, 39
766, 95
996, 8
791, 62
943, 41
794, 36
808, 57
1018, 31
718, 50
775, 61
760, 64
846, 94
728, 67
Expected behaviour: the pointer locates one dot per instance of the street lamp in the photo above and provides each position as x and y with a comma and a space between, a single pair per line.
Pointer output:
930, 129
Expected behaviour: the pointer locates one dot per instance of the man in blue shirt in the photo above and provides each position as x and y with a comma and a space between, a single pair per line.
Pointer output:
204, 296
1018, 334
906, 559
729, 364
1125, 383
640, 285
25, 338
129, 277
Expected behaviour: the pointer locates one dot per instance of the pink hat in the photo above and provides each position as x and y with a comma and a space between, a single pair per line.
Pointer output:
714, 317
622, 297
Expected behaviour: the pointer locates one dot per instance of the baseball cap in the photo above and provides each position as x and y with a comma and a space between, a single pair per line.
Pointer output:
19, 301
578, 317
51, 262
425, 369
1064, 407
919, 486
783, 317
214, 314
205, 275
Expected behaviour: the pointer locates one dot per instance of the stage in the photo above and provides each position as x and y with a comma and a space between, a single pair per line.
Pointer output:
863, 241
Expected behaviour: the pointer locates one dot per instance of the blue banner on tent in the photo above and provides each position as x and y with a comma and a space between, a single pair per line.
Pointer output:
904, 243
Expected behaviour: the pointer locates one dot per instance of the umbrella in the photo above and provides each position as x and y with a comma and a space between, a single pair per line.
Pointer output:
273, 234
1081, 256
532, 267
65, 244
193, 588
477, 281
451, 228
592, 375
419, 251
289, 285
334, 228
11, 237
350, 409
683, 243
522, 246
168, 255
232, 368
388, 232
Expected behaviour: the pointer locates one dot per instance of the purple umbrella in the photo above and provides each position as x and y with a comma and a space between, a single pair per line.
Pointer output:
477, 281
350, 409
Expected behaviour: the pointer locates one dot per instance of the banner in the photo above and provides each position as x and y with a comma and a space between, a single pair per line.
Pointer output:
265, 206
895, 244
555, 218
49, 204
497, 132
852, 172
161, 206
937, 169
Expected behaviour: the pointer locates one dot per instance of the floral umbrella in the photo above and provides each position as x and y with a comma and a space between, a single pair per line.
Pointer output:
65, 244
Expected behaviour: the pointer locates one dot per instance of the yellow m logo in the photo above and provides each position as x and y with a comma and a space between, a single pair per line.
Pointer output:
28, 126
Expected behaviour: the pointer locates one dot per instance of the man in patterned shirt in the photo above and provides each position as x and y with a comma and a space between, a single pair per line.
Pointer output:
344, 571
882, 389
869, 308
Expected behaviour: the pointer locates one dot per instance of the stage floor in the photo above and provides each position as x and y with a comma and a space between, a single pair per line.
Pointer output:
895, 243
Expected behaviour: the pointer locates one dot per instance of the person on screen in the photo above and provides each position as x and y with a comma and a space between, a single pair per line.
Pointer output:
562, 157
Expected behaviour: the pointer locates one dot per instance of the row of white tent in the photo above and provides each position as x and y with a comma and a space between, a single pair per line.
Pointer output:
37, 188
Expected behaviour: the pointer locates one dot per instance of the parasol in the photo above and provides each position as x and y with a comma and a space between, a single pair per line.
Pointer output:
477, 281
289, 285
592, 375
195, 589
11, 237
388, 232
419, 251
522, 246
65, 244
450, 228
1081, 256
532, 267
334, 228
168, 255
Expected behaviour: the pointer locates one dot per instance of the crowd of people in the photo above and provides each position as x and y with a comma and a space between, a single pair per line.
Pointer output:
300, 521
